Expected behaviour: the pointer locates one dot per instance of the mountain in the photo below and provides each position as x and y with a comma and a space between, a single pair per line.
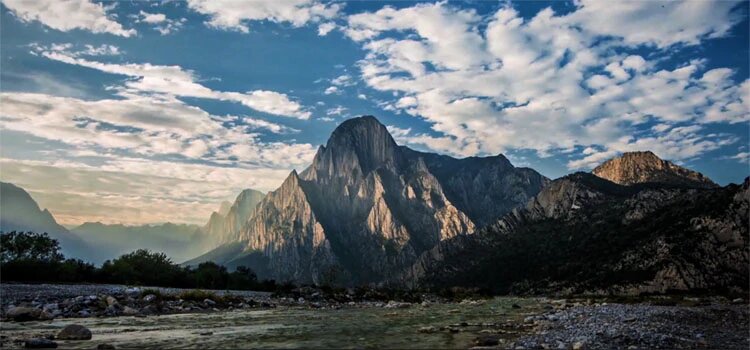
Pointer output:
366, 207
178, 241
587, 235
224, 226
642, 167
19, 212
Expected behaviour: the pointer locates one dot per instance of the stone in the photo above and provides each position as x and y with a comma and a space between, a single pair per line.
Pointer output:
74, 332
578, 345
133, 292
105, 346
427, 329
206, 333
209, 302
149, 298
39, 343
487, 340
111, 301
397, 305
23, 314
129, 311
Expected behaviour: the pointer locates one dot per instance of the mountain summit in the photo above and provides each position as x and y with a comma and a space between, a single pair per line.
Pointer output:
642, 167
366, 208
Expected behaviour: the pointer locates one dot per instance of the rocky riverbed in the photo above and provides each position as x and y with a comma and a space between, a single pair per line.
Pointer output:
308, 318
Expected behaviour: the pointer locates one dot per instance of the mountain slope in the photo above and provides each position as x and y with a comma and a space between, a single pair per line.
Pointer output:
584, 234
19, 212
642, 167
366, 207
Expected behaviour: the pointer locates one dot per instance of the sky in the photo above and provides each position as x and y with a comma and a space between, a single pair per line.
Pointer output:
145, 112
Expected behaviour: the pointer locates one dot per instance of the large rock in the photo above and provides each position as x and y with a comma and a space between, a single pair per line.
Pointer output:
74, 332
23, 314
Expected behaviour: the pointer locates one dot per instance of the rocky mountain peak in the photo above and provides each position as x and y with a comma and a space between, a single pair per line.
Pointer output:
364, 141
646, 167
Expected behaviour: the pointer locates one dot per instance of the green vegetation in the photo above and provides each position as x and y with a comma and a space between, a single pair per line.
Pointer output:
35, 257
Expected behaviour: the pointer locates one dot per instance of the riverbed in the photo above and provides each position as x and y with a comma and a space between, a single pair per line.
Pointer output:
433, 326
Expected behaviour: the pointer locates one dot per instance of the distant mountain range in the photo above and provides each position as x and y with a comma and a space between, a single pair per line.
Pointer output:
96, 242
368, 211
178, 241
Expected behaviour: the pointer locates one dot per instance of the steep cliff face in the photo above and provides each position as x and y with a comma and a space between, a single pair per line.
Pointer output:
642, 167
366, 207
284, 228
584, 234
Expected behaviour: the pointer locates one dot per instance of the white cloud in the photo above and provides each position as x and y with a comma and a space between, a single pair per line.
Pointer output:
325, 28
657, 23
66, 15
234, 15
332, 90
149, 127
161, 23
176, 81
343, 80
132, 190
338, 110
528, 83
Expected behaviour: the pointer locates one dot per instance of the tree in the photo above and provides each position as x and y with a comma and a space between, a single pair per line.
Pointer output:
210, 275
16, 246
143, 267
243, 278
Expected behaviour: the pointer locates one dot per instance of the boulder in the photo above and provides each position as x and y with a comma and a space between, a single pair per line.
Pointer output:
149, 298
74, 332
23, 314
129, 311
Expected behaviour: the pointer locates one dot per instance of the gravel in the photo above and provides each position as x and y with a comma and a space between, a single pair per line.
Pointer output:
607, 326
10, 292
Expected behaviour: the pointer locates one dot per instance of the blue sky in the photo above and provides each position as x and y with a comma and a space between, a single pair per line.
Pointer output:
142, 112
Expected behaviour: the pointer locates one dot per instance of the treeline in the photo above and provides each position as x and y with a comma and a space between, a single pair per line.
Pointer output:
35, 257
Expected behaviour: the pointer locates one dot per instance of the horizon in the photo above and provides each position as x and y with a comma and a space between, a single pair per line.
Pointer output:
145, 113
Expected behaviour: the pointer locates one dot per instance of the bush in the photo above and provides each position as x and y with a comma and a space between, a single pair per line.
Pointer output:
199, 295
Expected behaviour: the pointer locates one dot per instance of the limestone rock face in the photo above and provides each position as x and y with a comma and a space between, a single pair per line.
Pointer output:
366, 207
643, 167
